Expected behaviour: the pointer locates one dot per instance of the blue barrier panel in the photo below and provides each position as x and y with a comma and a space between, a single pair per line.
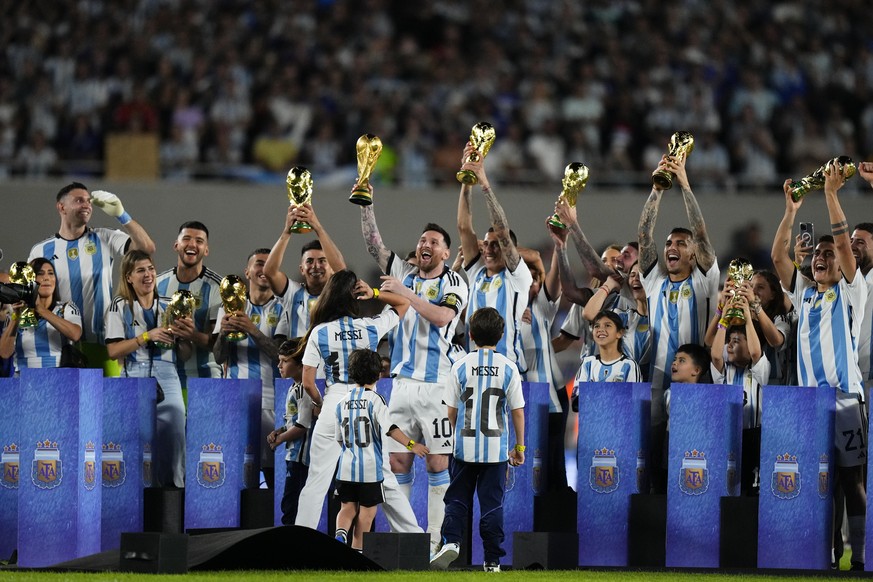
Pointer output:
10, 440
518, 502
795, 509
128, 429
281, 388
59, 489
704, 465
219, 449
537, 435
612, 448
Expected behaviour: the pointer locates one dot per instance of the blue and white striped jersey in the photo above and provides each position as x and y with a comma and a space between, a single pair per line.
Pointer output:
576, 326
298, 412
536, 341
421, 350
300, 303
361, 420
83, 268
123, 323
40, 346
484, 386
751, 379
828, 326
865, 345
204, 288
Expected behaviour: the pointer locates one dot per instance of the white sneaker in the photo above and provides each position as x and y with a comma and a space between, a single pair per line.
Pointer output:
447, 554
491, 567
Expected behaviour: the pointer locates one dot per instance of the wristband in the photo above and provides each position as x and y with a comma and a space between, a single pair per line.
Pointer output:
605, 289
520, 448
145, 337
318, 404
14, 316
796, 266
124, 218
410, 444
375, 293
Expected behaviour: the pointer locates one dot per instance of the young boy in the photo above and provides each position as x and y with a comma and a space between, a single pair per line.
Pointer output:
690, 366
481, 390
361, 419
295, 432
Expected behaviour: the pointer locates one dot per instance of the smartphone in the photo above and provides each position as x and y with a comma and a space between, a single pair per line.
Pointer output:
807, 234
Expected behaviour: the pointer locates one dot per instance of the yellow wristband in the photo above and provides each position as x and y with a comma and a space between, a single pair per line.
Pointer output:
14, 316
145, 337
375, 293
796, 266
410, 444
520, 448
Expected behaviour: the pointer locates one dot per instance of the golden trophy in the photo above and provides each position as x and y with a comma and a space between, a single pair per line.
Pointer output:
182, 304
234, 295
816, 180
369, 148
299, 183
739, 272
681, 143
574, 181
482, 138
23, 274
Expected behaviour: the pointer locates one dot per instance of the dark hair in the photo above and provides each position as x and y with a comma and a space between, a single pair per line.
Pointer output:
699, 355
313, 245
512, 236
611, 316
486, 326
865, 226
69, 188
740, 329
777, 306
633, 244
260, 251
336, 300
37, 264
437, 228
682, 230
365, 367
826, 238
196, 225
289, 347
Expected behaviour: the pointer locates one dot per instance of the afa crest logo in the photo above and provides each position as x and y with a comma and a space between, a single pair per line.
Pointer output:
90, 248
90, 466
46, 472
824, 476
272, 319
210, 469
9, 461
785, 483
604, 475
432, 292
114, 470
694, 476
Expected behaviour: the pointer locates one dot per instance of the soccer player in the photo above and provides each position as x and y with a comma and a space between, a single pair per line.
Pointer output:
83, 259
192, 246
421, 354
482, 392
361, 419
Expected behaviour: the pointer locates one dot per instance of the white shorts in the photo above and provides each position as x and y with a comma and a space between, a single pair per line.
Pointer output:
850, 430
418, 409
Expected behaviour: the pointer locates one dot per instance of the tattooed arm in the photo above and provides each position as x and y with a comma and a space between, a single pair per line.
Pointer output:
648, 252
834, 180
373, 239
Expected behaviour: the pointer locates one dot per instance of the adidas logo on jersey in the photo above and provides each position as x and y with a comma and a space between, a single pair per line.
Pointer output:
448, 443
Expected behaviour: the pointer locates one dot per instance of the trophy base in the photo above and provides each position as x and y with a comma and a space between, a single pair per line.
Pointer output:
734, 316
553, 221
299, 228
467, 177
361, 198
164, 346
663, 180
236, 336
798, 194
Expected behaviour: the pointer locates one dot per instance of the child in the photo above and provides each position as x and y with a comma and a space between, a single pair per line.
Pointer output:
690, 366
295, 432
483, 378
746, 366
361, 418
609, 364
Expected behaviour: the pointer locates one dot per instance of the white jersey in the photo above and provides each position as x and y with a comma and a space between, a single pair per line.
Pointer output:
865, 346
83, 268
594, 369
123, 323
298, 413
536, 341
507, 293
484, 386
637, 341
245, 360
421, 350
751, 379
300, 303
204, 288
576, 326
40, 346
679, 312
361, 420
827, 327
333, 342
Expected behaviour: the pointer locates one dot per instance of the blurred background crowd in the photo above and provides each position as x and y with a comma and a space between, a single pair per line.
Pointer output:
246, 89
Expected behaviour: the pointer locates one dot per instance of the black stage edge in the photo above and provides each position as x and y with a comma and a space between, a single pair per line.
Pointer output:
647, 530
738, 546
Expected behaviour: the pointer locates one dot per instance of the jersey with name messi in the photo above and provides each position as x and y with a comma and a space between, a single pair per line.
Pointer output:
827, 327
484, 386
40, 346
83, 268
361, 420
421, 350
124, 322
207, 299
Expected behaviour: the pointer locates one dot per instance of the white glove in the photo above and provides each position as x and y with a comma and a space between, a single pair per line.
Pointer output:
108, 203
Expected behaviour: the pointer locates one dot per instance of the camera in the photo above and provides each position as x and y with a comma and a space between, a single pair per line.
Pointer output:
15, 293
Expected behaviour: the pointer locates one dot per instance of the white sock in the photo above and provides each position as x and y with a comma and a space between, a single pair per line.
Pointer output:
436, 508
857, 536
404, 483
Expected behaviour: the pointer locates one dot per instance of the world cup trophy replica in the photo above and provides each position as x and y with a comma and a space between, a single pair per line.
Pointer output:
22, 273
739, 272
681, 143
234, 294
482, 138
182, 304
816, 180
369, 148
299, 183
574, 181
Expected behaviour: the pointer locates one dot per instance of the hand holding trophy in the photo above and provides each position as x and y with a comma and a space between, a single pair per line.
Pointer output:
739, 272
182, 304
816, 180
482, 137
574, 181
681, 144
369, 148
234, 295
299, 183
22, 273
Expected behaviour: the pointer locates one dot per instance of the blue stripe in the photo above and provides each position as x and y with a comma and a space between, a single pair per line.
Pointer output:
839, 333
96, 278
76, 291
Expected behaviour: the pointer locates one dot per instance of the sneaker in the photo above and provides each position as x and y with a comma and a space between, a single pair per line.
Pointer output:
447, 554
341, 536
857, 566
491, 567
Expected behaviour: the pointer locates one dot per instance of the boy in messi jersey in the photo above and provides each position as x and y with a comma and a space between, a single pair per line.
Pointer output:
361, 418
482, 391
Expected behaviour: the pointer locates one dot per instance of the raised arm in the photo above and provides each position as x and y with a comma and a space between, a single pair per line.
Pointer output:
373, 238
273, 266
469, 240
782, 241
331, 251
590, 259
646, 236
552, 281
703, 246
835, 177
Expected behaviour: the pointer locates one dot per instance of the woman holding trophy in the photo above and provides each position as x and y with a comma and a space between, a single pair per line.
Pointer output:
38, 341
134, 335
